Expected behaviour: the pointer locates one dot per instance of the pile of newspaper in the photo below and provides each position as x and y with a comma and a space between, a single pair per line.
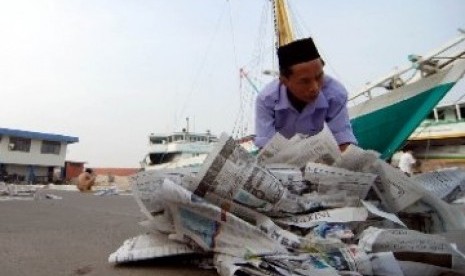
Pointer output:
300, 208
17, 192
24, 192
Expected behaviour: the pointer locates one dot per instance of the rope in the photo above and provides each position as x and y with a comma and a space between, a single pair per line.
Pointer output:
253, 67
302, 29
199, 70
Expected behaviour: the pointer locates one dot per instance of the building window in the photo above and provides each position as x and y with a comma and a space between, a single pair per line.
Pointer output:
431, 116
19, 144
50, 147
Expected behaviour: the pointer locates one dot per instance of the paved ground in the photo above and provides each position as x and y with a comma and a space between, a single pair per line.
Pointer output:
73, 236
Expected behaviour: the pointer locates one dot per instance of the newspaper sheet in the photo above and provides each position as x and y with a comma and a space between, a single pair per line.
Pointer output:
293, 204
276, 144
232, 173
148, 246
330, 179
301, 264
286, 173
357, 159
162, 222
389, 216
277, 264
212, 228
262, 222
346, 214
385, 264
403, 240
3, 189
392, 186
395, 189
321, 148
19, 191
228, 265
290, 176
446, 184
355, 260
146, 188
326, 230
451, 217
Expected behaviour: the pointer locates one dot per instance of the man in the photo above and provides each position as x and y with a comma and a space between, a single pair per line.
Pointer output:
406, 162
86, 180
302, 99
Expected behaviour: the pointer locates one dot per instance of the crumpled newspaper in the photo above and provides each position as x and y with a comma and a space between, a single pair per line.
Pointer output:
298, 208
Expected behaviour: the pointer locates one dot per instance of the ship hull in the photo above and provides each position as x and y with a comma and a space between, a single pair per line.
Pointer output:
384, 123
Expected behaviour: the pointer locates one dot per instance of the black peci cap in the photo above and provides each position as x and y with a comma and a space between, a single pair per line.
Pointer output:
296, 52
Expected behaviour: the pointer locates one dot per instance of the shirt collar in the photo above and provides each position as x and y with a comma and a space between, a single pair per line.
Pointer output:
284, 103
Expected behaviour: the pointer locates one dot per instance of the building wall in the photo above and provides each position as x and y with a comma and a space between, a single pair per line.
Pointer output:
33, 157
73, 169
23, 170
115, 171
40, 173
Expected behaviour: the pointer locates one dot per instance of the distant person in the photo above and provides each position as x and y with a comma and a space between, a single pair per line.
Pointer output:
86, 180
110, 178
395, 158
406, 162
302, 99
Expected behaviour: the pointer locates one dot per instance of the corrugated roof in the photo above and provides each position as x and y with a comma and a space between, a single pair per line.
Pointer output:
38, 135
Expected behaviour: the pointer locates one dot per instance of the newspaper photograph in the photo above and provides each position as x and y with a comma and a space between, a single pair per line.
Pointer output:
212, 228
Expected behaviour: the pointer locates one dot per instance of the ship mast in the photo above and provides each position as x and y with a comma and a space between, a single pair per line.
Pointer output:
283, 28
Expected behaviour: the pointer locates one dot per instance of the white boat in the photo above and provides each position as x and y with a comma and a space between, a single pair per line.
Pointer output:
177, 150
388, 111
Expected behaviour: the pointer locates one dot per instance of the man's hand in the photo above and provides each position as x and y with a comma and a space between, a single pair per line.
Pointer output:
343, 147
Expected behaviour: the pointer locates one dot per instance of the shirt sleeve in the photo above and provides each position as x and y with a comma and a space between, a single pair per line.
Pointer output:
264, 122
338, 118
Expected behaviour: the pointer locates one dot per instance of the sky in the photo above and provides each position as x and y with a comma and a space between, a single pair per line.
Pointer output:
113, 71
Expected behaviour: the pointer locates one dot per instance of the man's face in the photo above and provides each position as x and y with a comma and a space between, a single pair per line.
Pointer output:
305, 80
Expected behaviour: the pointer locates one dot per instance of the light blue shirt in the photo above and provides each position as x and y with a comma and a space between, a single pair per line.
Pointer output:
274, 113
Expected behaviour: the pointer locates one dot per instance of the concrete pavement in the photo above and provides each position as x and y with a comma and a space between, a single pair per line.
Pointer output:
74, 236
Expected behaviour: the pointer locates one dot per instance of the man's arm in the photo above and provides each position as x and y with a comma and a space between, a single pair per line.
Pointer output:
90, 178
338, 120
264, 123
